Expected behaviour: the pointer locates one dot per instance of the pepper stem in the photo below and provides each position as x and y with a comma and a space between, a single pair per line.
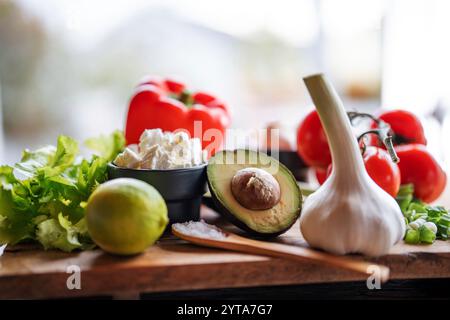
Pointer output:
186, 98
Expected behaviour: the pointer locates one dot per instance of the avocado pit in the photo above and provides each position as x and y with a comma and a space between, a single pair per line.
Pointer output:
255, 189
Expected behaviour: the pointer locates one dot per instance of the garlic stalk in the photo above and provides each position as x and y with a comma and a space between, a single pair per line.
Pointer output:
349, 213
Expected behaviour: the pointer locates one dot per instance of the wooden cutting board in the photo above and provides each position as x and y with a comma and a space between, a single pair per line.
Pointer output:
174, 265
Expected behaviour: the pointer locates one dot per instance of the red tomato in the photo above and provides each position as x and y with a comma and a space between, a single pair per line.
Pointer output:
405, 125
312, 144
419, 167
381, 169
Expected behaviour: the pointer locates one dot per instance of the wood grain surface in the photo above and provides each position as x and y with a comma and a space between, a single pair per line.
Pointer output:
174, 265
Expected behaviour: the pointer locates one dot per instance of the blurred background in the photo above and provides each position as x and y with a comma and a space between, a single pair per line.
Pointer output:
70, 66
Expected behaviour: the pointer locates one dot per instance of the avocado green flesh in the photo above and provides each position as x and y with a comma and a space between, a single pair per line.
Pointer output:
270, 221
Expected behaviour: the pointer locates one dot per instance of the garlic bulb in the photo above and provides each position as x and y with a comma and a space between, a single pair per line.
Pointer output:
349, 213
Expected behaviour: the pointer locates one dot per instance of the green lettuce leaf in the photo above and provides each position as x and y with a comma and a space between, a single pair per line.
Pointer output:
33, 160
107, 146
58, 233
48, 204
64, 157
14, 221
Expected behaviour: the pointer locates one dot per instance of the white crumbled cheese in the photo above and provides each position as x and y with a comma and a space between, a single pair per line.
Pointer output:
198, 156
128, 159
134, 148
151, 138
200, 229
160, 150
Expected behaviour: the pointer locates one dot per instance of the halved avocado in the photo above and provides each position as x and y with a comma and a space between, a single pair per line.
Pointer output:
224, 165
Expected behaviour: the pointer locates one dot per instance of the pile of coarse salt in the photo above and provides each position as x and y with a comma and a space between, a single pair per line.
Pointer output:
2, 249
199, 229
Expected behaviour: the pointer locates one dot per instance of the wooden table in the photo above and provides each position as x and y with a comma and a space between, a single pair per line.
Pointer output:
174, 265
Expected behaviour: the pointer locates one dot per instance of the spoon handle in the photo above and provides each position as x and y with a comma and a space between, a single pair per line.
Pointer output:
234, 242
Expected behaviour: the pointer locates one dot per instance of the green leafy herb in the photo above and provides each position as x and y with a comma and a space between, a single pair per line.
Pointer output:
413, 210
108, 146
47, 205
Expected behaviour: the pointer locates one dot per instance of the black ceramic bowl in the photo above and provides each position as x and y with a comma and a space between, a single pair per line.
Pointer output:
182, 189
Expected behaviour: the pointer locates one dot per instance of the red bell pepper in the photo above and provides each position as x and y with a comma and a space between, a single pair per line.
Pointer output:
168, 105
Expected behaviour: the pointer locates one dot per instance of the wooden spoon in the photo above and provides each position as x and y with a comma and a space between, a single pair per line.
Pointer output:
231, 241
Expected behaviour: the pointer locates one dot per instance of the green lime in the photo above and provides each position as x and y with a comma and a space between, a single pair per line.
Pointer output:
125, 216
